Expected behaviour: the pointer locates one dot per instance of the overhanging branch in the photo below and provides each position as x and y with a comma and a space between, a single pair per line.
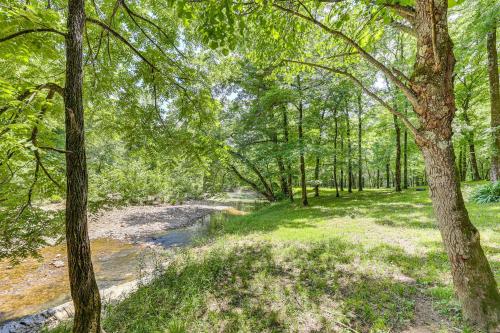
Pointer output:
407, 91
122, 39
29, 31
403, 118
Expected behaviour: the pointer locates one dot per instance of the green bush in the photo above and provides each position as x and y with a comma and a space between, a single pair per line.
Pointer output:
487, 193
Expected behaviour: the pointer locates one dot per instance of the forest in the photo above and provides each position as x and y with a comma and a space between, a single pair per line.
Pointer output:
249, 166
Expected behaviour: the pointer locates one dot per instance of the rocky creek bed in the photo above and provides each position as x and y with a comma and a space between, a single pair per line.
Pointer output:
126, 243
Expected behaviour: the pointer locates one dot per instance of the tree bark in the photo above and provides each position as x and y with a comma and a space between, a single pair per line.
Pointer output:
317, 166
301, 147
343, 161
405, 159
397, 176
495, 101
84, 290
469, 135
316, 177
378, 178
335, 182
288, 166
432, 82
349, 152
360, 163
387, 176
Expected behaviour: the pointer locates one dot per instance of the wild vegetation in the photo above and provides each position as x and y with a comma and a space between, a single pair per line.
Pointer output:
143, 101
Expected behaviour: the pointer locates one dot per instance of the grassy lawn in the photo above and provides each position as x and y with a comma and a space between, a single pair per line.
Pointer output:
366, 262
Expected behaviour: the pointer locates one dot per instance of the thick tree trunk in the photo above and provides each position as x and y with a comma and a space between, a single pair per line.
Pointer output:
84, 290
360, 164
432, 81
397, 176
472, 276
495, 101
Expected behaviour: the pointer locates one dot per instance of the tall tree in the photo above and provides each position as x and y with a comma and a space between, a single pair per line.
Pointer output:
335, 152
360, 162
349, 150
494, 100
300, 107
397, 175
84, 290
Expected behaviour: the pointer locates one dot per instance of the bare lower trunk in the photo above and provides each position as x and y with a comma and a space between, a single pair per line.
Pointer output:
302, 161
473, 160
495, 101
335, 182
360, 164
472, 149
432, 82
405, 160
83, 285
397, 176
387, 176
474, 282
316, 177
288, 167
349, 153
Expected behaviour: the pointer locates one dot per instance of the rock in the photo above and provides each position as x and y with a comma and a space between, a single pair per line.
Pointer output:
58, 263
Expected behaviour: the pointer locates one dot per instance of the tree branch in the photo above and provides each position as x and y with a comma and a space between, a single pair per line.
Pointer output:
407, 91
403, 118
28, 31
122, 39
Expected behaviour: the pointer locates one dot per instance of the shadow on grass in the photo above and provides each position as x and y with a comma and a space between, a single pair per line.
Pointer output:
274, 288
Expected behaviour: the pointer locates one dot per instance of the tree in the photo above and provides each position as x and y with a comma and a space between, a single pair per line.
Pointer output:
494, 101
84, 290
430, 91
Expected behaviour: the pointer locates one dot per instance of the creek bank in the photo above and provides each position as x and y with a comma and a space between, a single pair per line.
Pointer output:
136, 227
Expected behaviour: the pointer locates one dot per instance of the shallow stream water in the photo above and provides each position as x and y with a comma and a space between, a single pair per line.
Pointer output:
38, 284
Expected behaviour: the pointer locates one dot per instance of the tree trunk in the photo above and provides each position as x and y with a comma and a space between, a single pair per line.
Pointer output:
342, 183
360, 164
472, 149
303, 184
432, 81
378, 178
316, 177
474, 282
495, 101
288, 166
387, 176
281, 165
405, 160
317, 166
335, 182
397, 177
84, 290
349, 152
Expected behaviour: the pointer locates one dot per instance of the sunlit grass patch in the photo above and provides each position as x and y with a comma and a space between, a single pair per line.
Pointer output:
364, 262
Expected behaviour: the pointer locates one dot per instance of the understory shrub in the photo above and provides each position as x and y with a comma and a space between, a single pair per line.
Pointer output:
487, 193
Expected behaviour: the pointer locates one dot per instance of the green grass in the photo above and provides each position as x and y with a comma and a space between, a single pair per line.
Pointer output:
361, 263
